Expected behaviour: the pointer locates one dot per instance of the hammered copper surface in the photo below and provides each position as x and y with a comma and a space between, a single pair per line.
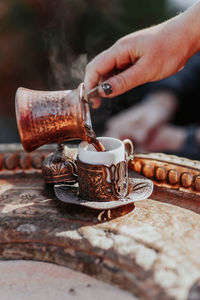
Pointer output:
139, 188
45, 117
59, 166
101, 182
169, 171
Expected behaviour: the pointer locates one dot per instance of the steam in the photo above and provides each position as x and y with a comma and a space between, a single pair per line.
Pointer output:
68, 73
66, 41
78, 68
67, 65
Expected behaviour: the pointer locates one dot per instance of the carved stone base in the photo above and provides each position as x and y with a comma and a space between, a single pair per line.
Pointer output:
150, 248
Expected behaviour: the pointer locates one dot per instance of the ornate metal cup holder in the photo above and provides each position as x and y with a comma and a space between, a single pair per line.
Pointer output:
139, 188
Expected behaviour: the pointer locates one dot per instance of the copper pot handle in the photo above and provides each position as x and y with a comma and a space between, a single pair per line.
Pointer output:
129, 148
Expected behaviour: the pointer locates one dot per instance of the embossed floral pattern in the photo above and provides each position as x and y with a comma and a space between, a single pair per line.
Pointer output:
94, 184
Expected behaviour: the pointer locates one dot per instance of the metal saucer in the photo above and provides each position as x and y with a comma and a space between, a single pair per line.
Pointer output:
140, 188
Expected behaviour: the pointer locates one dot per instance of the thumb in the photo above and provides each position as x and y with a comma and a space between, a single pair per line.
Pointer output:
135, 75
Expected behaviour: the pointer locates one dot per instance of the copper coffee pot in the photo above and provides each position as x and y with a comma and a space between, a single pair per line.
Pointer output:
45, 117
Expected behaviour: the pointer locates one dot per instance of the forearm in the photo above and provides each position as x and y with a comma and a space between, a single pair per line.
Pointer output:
179, 37
191, 23
147, 55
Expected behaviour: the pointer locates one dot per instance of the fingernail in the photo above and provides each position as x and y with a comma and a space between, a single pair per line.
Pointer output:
107, 88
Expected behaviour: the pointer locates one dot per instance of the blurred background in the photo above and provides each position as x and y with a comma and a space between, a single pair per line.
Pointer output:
45, 45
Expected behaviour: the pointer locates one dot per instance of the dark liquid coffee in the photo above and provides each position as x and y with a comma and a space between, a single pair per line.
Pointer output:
98, 145
92, 139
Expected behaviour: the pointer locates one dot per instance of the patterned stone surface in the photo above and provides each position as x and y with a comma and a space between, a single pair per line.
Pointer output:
149, 248
21, 280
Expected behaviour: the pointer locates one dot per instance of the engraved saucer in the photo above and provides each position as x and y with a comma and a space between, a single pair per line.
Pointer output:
139, 188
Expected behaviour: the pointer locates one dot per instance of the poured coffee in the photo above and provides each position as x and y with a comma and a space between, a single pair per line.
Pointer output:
92, 139
97, 145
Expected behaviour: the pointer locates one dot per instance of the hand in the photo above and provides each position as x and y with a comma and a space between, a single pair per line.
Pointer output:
140, 123
147, 55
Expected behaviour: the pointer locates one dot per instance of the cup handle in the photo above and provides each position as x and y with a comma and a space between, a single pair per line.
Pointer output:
129, 148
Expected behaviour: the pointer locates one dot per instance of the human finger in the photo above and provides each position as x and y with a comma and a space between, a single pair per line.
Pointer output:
101, 65
134, 76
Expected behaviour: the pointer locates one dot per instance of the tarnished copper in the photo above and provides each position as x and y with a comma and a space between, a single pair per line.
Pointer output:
45, 117
170, 171
139, 188
16, 161
101, 182
59, 167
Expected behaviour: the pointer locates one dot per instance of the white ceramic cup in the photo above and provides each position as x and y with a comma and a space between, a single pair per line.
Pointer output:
115, 152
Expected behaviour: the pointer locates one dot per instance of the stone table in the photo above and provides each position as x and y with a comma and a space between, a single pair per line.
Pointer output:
149, 248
